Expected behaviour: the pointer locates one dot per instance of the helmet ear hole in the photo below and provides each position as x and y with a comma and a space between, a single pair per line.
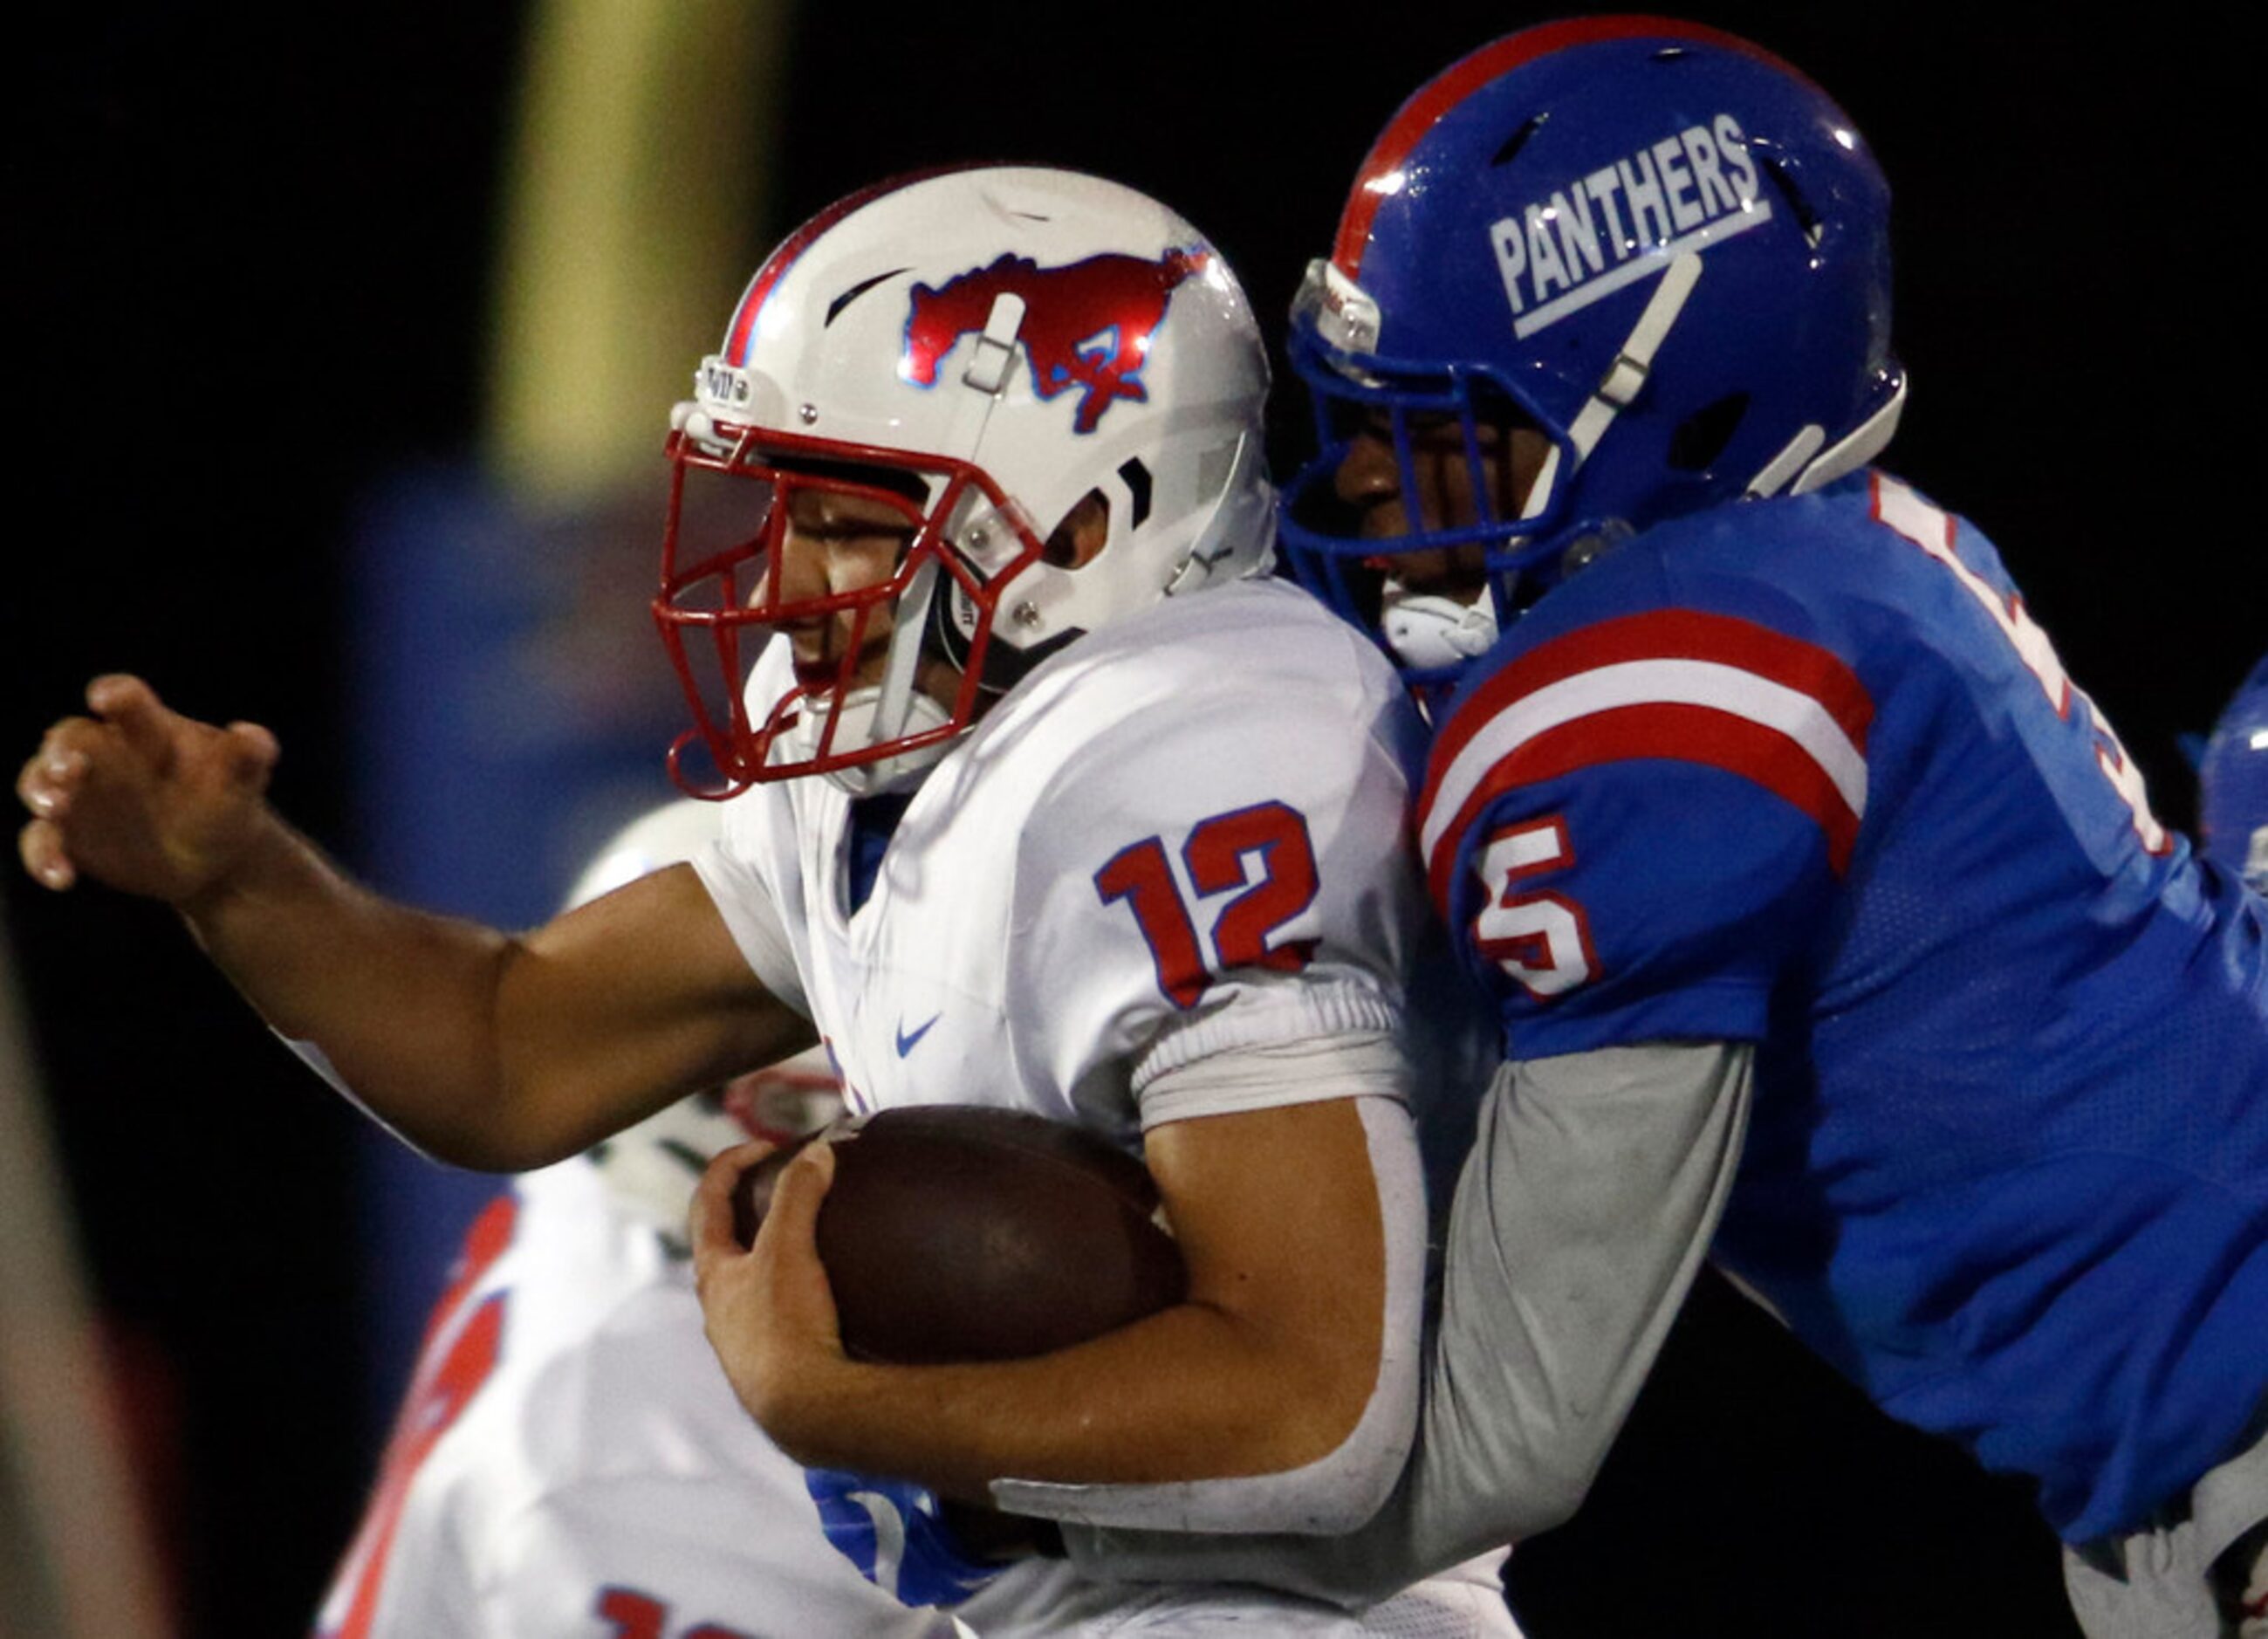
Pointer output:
1083, 533
1702, 436
1784, 181
1136, 477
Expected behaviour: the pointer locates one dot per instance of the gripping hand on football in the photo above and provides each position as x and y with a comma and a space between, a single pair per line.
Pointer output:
769, 1310
142, 798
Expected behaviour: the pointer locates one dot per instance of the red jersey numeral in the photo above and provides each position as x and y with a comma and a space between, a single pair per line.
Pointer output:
634, 1615
641, 1616
1541, 939
1141, 875
1262, 850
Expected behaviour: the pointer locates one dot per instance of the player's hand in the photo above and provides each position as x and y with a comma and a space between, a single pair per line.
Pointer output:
769, 1310
897, 1534
143, 798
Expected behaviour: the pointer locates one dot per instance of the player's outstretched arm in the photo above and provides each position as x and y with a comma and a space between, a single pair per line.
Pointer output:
485, 1049
1271, 1368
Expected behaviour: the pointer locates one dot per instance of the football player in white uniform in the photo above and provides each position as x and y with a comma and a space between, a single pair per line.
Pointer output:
1161, 888
569, 1459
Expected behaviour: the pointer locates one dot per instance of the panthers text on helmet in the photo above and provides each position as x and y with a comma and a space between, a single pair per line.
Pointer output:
1626, 220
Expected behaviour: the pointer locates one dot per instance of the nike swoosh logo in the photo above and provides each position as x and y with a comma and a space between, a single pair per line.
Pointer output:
907, 1043
889, 1538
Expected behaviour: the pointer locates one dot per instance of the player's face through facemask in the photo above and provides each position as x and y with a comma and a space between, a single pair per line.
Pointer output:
846, 565
839, 543
1450, 481
839, 564
836, 545
1434, 606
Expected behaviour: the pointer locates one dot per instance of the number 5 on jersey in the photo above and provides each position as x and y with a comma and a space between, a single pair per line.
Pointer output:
1263, 850
1542, 939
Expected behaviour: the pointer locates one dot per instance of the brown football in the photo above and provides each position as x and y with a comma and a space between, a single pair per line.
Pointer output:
954, 1232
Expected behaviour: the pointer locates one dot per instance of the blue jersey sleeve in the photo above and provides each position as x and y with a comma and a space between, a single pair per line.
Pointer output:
1638, 819
1648, 899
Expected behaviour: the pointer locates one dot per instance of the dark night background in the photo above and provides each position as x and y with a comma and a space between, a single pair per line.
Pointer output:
247, 271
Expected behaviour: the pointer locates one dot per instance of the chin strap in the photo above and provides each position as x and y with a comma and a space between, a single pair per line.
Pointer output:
1624, 379
893, 703
898, 707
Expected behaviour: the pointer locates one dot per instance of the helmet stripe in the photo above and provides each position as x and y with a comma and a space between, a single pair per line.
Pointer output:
1381, 177
776, 264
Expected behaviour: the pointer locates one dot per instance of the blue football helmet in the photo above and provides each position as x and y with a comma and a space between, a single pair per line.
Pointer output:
1655, 244
2232, 784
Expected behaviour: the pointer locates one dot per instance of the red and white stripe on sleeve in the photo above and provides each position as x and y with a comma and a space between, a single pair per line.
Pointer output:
1676, 683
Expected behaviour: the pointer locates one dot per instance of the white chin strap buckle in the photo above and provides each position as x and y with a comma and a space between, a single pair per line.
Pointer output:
1427, 631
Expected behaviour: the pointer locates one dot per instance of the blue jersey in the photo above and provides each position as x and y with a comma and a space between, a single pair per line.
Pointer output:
1804, 773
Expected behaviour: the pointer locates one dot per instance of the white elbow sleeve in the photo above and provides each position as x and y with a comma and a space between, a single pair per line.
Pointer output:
1339, 1490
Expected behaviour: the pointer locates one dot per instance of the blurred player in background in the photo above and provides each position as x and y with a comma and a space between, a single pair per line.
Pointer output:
568, 1456
1831, 929
973, 444
2232, 784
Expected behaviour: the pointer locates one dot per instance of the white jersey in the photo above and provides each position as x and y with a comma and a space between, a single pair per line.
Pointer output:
569, 1459
1183, 834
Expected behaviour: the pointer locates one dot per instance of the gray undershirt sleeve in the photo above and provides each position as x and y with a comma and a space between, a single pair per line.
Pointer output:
1595, 1184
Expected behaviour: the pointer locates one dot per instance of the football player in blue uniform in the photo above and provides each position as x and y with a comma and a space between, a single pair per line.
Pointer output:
1832, 932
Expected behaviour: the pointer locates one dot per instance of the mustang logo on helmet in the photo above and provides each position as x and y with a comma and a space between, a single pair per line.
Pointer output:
1086, 324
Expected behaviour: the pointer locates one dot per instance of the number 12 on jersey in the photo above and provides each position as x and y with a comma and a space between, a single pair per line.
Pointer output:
1263, 850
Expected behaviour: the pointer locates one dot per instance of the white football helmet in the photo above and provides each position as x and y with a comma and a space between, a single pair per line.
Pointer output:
981, 349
